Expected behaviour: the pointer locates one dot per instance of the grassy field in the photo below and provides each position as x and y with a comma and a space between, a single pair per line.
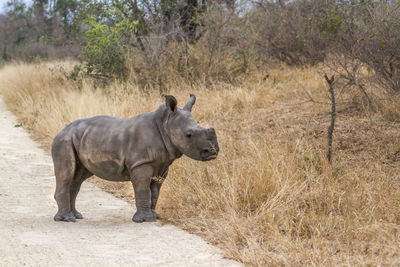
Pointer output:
271, 197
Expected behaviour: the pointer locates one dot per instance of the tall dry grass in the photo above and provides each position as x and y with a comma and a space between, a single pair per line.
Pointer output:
271, 198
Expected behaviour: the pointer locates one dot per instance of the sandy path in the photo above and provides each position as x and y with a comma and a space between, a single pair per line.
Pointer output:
106, 236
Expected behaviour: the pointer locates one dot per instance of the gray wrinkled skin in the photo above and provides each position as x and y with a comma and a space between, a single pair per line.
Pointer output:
135, 149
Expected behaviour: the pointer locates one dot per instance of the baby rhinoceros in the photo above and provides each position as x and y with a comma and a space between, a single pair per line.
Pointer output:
136, 149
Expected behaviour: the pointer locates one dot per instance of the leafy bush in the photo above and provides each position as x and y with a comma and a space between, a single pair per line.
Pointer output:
108, 44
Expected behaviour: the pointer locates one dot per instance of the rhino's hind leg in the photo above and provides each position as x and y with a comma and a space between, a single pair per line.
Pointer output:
64, 168
62, 196
81, 174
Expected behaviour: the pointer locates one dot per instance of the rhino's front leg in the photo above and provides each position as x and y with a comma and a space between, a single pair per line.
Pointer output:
155, 187
155, 192
141, 179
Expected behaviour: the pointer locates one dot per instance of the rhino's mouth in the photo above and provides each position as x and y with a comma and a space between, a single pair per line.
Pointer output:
210, 157
209, 153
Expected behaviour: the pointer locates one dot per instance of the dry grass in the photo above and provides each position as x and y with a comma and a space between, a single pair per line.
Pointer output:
270, 198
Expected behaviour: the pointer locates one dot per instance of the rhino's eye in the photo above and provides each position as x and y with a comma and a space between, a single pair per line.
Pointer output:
189, 134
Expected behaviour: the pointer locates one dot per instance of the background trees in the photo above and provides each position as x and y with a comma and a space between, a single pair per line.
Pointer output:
154, 41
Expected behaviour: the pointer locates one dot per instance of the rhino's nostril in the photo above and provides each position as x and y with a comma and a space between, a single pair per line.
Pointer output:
214, 149
205, 151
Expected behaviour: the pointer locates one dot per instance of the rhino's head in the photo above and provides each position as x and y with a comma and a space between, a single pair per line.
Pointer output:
186, 134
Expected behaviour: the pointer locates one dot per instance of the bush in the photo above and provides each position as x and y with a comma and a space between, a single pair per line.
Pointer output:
378, 43
366, 54
108, 45
298, 32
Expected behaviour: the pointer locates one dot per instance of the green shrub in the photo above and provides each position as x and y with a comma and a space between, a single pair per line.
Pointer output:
108, 44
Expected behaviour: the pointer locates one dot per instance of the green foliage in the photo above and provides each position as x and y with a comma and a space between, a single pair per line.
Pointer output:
74, 73
108, 44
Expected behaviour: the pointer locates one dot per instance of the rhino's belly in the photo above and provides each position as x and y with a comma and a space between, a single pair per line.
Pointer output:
108, 172
106, 167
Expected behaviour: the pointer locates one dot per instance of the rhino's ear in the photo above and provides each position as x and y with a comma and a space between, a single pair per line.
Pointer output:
171, 102
190, 104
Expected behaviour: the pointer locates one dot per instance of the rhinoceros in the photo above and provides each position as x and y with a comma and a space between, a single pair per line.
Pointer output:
136, 149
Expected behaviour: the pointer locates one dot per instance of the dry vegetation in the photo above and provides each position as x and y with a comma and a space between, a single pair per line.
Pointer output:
271, 198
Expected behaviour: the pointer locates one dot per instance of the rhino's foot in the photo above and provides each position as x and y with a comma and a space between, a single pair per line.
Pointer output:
68, 217
77, 214
144, 216
156, 214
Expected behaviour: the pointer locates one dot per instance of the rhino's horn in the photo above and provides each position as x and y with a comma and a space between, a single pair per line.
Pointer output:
190, 103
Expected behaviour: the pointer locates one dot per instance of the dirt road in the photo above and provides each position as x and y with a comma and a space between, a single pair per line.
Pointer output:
105, 237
